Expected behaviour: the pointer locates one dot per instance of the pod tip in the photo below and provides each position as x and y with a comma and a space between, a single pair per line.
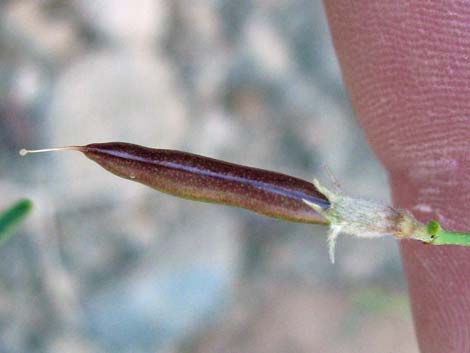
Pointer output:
24, 151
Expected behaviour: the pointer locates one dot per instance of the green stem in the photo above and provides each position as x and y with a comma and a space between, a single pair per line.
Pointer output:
444, 237
451, 238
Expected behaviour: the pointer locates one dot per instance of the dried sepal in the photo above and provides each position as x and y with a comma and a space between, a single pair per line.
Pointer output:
366, 219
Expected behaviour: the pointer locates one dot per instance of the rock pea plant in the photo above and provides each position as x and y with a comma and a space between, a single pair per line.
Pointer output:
265, 192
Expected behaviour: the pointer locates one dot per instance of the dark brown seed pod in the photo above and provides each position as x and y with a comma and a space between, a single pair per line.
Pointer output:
206, 179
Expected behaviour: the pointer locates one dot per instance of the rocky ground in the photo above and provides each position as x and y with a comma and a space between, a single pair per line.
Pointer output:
106, 265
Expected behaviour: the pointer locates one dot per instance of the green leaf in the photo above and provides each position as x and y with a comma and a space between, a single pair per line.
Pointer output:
433, 227
10, 218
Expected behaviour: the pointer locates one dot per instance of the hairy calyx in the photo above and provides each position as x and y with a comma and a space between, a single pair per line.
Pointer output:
366, 219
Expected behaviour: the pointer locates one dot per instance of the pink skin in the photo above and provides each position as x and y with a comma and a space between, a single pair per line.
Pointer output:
406, 65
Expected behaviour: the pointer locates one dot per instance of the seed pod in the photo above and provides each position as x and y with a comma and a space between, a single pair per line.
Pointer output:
206, 179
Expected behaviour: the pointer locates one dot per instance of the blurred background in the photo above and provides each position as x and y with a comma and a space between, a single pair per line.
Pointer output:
106, 265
